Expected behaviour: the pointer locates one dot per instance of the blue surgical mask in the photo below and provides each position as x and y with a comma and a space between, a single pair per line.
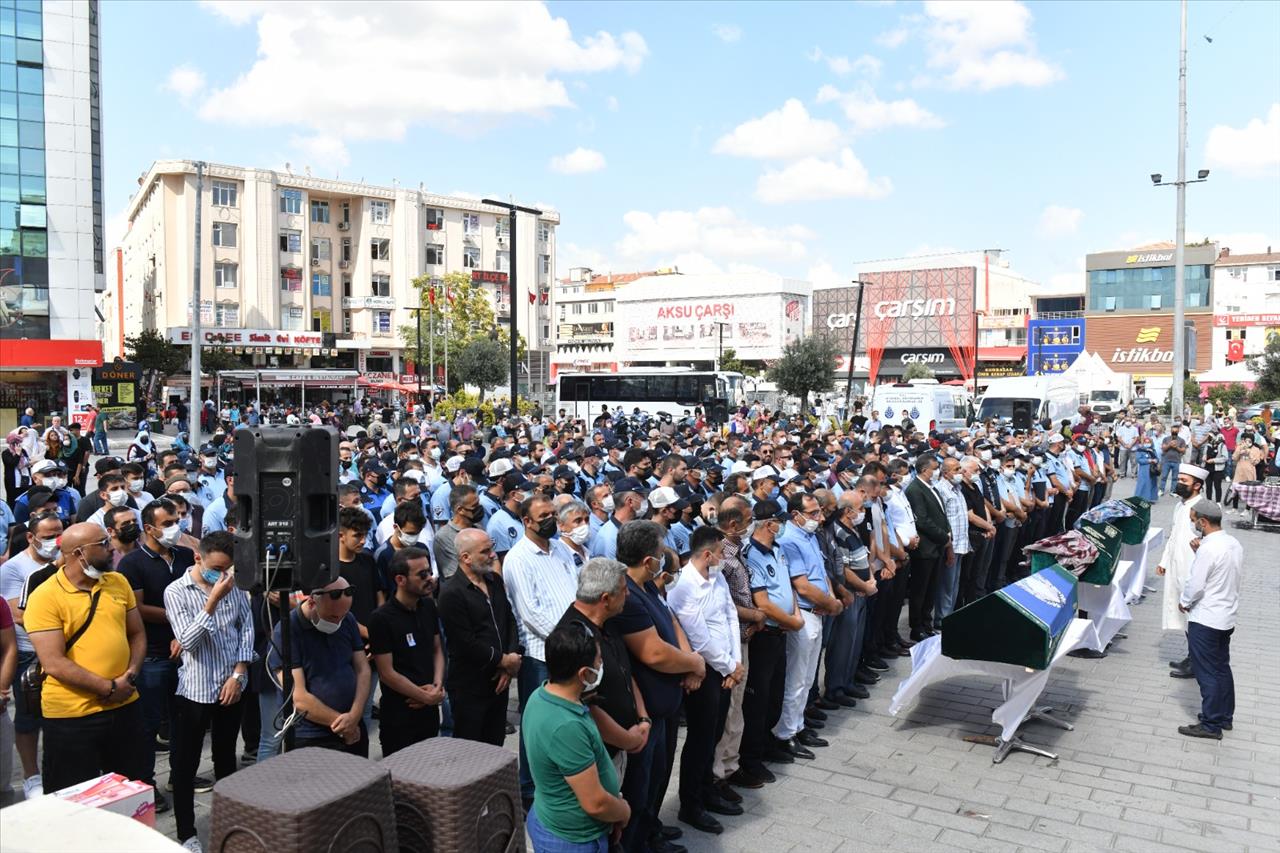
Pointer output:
210, 576
773, 493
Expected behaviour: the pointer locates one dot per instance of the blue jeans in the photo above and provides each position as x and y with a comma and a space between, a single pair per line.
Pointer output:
99, 444
1210, 652
1169, 469
844, 647
532, 673
948, 584
545, 841
269, 701
157, 687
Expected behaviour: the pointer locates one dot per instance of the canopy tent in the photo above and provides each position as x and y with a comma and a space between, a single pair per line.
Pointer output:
1092, 373
1238, 372
302, 379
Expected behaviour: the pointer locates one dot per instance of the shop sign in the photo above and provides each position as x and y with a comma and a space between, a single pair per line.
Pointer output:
1227, 320
358, 302
248, 337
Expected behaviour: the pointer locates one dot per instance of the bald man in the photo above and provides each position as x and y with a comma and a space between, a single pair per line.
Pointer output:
87, 632
483, 645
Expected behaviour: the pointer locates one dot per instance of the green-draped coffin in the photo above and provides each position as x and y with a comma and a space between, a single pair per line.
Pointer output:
1021, 624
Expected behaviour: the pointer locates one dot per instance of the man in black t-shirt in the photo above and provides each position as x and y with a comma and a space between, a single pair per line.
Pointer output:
357, 566
404, 638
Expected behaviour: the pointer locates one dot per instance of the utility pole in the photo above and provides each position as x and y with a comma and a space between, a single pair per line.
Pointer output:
512, 277
853, 349
196, 406
1180, 245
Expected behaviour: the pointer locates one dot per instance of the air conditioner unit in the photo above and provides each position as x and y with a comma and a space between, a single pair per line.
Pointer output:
315, 262
344, 226
344, 264
502, 242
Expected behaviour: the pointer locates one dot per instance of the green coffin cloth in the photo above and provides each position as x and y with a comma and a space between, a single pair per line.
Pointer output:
1020, 624
1108, 540
1134, 528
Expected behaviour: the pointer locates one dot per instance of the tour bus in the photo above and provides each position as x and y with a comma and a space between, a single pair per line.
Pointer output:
1046, 400
654, 391
929, 406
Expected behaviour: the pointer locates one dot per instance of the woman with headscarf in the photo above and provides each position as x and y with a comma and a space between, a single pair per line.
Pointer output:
17, 464
1148, 469
142, 450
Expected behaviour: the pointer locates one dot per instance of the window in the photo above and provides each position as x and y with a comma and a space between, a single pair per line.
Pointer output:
346, 285
471, 257
577, 308
501, 227
228, 315
546, 332
291, 280
291, 318
321, 284
470, 223
321, 320
320, 211
1109, 303
593, 307
346, 322
382, 322
380, 285
1132, 289
224, 234
346, 211
320, 250
380, 249
544, 233
1274, 273
224, 194
346, 249
380, 212
435, 219
502, 261
291, 241
224, 275
435, 255
1234, 272
291, 201
544, 264
1155, 302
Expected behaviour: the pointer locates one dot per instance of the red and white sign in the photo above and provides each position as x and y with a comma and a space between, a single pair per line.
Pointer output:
31, 354
1228, 320
754, 326
249, 338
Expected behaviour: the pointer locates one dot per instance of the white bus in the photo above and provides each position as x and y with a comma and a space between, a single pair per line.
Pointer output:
654, 391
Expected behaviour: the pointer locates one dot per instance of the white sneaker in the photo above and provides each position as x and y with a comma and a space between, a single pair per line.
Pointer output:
193, 844
32, 787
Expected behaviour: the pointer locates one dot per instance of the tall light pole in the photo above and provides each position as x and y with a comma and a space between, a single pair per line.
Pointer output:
511, 210
853, 346
720, 348
1180, 239
196, 406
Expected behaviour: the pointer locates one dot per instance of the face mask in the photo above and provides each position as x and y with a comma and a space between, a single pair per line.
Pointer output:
711, 518
409, 538
985, 456
644, 507
413, 457
994, 464
773, 493
210, 576
956, 479
750, 531
324, 626
591, 686
129, 533
193, 478
210, 463
1008, 473
47, 548
859, 518
135, 486
170, 535
580, 534
184, 524
144, 441
810, 525
55, 483
1182, 490
714, 569
435, 453
117, 497
547, 528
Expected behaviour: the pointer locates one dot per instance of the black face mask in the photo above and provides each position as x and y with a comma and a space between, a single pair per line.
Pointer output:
1182, 490
547, 528
129, 533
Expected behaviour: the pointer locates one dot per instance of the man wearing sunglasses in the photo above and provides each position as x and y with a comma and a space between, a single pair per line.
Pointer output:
404, 639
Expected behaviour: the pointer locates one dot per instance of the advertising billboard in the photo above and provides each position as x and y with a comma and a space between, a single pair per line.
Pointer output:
1053, 345
756, 327
1143, 343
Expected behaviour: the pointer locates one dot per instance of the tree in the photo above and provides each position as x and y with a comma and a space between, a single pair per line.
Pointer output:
464, 315
483, 363
1224, 397
729, 361
155, 356
1190, 397
808, 364
1267, 366
218, 359
916, 370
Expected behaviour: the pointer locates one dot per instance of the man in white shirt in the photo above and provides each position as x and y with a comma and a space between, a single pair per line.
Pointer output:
705, 608
1211, 598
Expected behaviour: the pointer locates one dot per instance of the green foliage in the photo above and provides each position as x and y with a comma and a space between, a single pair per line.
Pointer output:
215, 359
1267, 366
808, 364
483, 363
915, 370
153, 352
729, 361
1190, 396
1224, 397
448, 407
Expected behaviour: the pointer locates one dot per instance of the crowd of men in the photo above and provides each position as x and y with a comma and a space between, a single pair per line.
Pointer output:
750, 583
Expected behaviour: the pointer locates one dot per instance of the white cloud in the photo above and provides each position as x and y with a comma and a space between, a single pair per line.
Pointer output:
813, 179
611, 103
843, 65
715, 233
456, 81
1239, 242
823, 276
572, 255
784, 134
116, 226
185, 81
893, 38
1251, 150
984, 45
321, 150
727, 33
868, 113
1056, 220
577, 162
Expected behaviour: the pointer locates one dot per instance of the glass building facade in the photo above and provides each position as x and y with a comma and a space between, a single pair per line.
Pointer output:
24, 240
1147, 288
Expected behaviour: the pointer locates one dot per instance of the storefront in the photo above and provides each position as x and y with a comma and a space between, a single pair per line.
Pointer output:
48, 376
272, 348
1141, 345
1054, 345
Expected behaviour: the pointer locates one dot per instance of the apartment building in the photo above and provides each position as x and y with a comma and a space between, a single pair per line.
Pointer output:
585, 323
305, 272
1246, 305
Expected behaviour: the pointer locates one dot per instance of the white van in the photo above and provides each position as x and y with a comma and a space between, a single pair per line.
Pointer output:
1042, 399
929, 407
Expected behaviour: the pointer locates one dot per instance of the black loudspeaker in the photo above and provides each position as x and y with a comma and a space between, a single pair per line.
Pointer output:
286, 507
718, 413
1022, 414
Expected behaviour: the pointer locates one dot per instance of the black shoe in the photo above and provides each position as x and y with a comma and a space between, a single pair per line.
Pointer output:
1226, 727
875, 664
658, 844
843, 701
162, 741
865, 676
717, 804
1181, 673
162, 803
670, 833
511, 729
202, 785
917, 636
904, 651
779, 755
701, 820
814, 724
1185, 663
812, 711
795, 749
725, 791
903, 644
742, 778
764, 774
1199, 730
808, 738
857, 691
247, 757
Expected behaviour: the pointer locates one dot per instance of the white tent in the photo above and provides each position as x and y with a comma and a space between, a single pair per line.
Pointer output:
1238, 372
1092, 373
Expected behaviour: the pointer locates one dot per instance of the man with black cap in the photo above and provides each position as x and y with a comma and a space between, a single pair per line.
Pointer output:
629, 503
1179, 553
667, 508
373, 489
564, 480
588, 475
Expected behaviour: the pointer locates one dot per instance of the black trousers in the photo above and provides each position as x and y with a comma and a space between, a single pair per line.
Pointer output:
250, 722
762, 698
1057, 515
1213, 488
971, 576
480, 717
705, 711
1001, 546
191, 722
332, 741
1079, 505
400, 726
922, 589
77, 749
889, 612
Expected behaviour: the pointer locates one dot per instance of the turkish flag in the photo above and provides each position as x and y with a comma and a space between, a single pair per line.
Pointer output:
1235, 350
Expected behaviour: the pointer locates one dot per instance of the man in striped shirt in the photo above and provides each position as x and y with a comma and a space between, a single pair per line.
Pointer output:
212, 622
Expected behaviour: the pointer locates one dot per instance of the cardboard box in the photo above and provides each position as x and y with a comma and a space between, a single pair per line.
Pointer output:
117, 794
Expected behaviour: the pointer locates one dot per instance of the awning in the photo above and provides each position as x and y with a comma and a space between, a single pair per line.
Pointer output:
1002, 353
28, 354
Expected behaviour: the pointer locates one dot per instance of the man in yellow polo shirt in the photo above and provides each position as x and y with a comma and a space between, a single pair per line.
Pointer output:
92, 722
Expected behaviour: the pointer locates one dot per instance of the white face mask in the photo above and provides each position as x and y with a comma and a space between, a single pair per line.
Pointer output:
859, 518
90, 572
985, 456
810, 525
117, 497
55, 483
135, 486
210, 463
169, 536
644, 507
47, 548
580, 534
435, 453
1008, 473
994, 464
750, 531
589, 687
409, 538
324, 626
714, 569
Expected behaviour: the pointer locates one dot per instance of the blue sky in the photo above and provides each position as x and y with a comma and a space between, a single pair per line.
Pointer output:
797, 138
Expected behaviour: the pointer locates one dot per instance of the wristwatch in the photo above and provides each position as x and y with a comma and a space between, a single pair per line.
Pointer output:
645, 720
240, 678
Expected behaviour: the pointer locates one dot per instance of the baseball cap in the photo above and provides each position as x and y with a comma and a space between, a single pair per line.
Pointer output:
768, 509
500, 466
628, 484
106, 463
764, 472
452, 464
591, 451
44, 466
665, 496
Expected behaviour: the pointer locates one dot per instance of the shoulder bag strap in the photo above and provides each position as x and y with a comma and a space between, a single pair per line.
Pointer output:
93, 608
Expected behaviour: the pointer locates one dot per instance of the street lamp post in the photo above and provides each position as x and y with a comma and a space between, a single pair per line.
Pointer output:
853, 347
417, 353
720, 349
511, 210
196, 408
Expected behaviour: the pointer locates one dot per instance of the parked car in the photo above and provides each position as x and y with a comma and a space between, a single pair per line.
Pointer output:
1141, 406
1255, 411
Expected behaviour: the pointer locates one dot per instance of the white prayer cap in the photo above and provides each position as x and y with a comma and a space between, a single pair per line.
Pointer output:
1194, 471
